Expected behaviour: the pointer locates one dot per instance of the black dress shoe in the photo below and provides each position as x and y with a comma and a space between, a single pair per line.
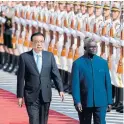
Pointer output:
121, 111
10, 68
70, 92
5, 66
15, 70
119, 108
114, 104
117, 105
108, 110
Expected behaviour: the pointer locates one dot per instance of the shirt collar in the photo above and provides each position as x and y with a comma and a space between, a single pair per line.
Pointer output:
35, 54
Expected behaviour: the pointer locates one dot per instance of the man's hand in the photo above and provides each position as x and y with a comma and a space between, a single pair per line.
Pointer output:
20, 102
62, 95
109, 108
79, 107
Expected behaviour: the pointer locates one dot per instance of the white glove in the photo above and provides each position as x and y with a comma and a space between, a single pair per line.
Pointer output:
105, 39
3, 20
88, 34
74, 33
96, 37
34, 23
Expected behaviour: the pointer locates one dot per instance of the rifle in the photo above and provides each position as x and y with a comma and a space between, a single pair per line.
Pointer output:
110, 46
120, 69
76, 55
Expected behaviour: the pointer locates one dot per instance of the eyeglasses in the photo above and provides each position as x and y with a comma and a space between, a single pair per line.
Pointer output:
92, 47
38, 42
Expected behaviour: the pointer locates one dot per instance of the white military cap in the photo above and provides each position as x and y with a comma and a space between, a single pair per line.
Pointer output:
90, 3
107, 5
116, 6
83, 3
98, 4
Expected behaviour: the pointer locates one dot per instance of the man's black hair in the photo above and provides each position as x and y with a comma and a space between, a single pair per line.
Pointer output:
36, 34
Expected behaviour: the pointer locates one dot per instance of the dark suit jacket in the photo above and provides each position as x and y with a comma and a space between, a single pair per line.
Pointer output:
29, 81
91, 83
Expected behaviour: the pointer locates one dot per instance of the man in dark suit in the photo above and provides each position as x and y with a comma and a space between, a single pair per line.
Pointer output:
36, 69
91, 85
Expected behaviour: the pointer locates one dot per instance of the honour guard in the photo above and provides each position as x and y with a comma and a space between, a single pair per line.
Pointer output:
120, 70
81, 26
116, 50
91, 16
106, 26
8, 37
98, 23
14, 65
2, 51
116, 74
98, 14
60, 25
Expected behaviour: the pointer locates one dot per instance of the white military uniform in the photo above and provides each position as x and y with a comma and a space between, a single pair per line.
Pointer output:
60, 44
54, 29
47, 39
68, 18
98, 22
18, 31
91, 20
74, 33
107, 23
115, 56
23, 23
82, 21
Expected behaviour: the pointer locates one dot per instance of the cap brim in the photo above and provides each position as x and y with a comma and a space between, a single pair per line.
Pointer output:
98, 7
108, 8
90, 5
83, 4
69, 3
115, 9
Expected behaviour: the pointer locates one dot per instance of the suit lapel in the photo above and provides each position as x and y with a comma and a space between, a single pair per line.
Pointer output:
43, 61
33, 61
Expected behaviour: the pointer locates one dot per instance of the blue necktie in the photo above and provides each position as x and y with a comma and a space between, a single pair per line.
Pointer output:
39, 63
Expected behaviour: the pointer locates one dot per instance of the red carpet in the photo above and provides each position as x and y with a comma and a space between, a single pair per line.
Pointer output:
10, 113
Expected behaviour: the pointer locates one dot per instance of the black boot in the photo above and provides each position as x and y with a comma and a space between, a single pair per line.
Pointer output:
7, 59
114, 106
119, 108
120, 98
1, 60
9, 63
113, 93
12, 66
121, 111
16, 65
69, 83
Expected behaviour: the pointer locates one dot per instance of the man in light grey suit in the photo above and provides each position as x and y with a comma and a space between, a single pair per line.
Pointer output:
36, 69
